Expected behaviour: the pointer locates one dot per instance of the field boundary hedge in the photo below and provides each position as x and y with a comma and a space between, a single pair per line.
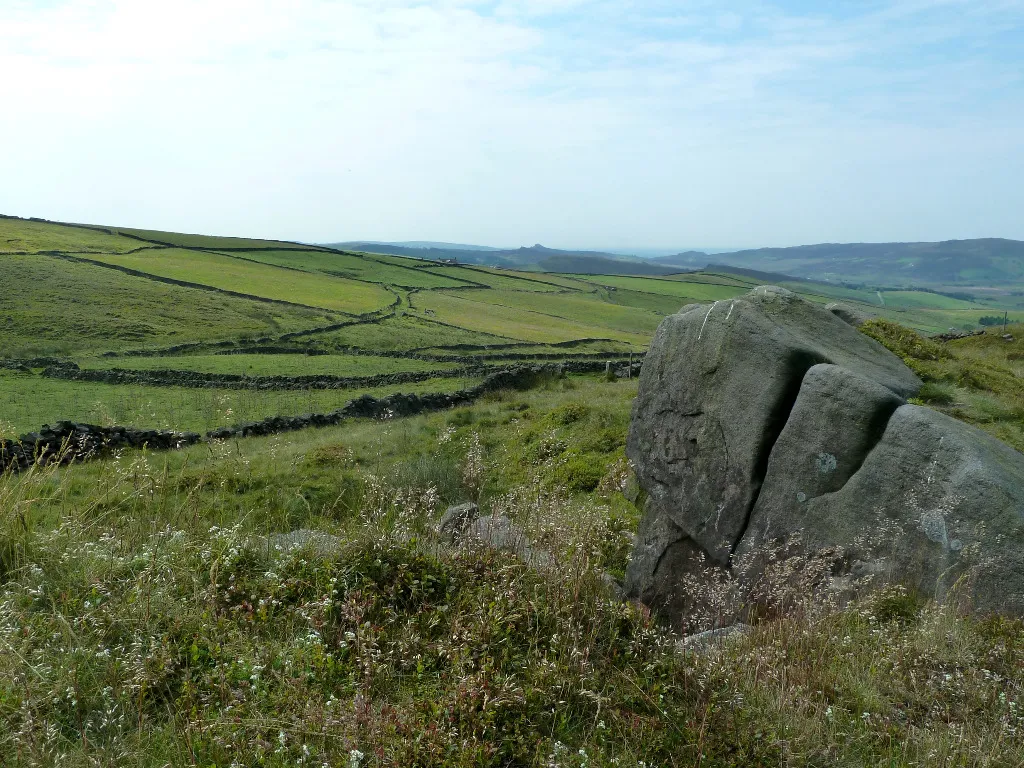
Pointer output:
203, 286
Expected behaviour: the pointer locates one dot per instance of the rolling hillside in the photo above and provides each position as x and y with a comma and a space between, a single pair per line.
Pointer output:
175, 330
983, 263
270, 593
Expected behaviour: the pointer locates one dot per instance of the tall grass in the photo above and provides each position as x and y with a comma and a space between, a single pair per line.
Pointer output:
150, 616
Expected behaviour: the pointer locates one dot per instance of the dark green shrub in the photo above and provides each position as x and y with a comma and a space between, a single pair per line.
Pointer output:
569, 413
581, 473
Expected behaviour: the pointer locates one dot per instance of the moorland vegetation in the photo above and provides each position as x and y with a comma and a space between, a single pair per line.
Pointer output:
285, 600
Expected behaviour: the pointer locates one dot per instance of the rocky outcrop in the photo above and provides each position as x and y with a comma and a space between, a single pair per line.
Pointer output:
768, 418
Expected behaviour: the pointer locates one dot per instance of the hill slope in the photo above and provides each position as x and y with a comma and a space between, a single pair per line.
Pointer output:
527, 257
983, 262
169, 329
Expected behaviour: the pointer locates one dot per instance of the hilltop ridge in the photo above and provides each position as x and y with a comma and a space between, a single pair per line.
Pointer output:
983, 262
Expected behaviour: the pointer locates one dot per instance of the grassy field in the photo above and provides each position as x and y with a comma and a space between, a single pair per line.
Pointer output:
403, 332
272, 365
500, 278
358, 267
22, 236
210, 242
31, 401
52, 306
685, 290
153, 612
151, 617
979, 379
252, 278
540, 317
77, 309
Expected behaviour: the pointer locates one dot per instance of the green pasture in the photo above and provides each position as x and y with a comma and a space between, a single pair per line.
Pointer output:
689, 291
212, 242
579, 308
941, 320
925, 300
20, 235
501, 313
565, 281
31, 401
587, 347
271, 365
53, 306
711, 278
249, 277
497, 278
823, 293
400, 333
355, 267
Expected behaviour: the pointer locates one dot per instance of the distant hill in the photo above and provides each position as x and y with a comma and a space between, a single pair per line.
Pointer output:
519, 258
983, 262
684, 260
417, 244
601, 265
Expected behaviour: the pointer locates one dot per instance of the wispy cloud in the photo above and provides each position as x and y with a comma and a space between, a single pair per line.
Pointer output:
567, 121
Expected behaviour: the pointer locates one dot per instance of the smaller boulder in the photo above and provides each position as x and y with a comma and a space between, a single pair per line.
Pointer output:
498, 532
456, 520
712, 638
319, 542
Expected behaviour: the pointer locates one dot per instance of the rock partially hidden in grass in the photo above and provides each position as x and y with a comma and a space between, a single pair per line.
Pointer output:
702, 641
456, 520
498, 532
319, 542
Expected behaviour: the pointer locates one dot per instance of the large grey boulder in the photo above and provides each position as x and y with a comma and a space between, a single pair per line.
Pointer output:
769, 420
715, 392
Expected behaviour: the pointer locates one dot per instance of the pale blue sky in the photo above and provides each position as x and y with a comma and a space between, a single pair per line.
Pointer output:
575, 123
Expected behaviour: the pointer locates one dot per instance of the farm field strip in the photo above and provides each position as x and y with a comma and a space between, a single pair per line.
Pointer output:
698, 291
26, 236
401, 332
53, 306
354, 267
31, 401
497, 279
528, 325
298, 364
206, 242
926, 300
249, 277
583, 308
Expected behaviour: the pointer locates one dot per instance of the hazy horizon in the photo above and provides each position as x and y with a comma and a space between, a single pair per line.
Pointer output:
563, 122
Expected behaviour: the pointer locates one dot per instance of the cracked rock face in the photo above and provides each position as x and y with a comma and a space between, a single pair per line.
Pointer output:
767, 416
